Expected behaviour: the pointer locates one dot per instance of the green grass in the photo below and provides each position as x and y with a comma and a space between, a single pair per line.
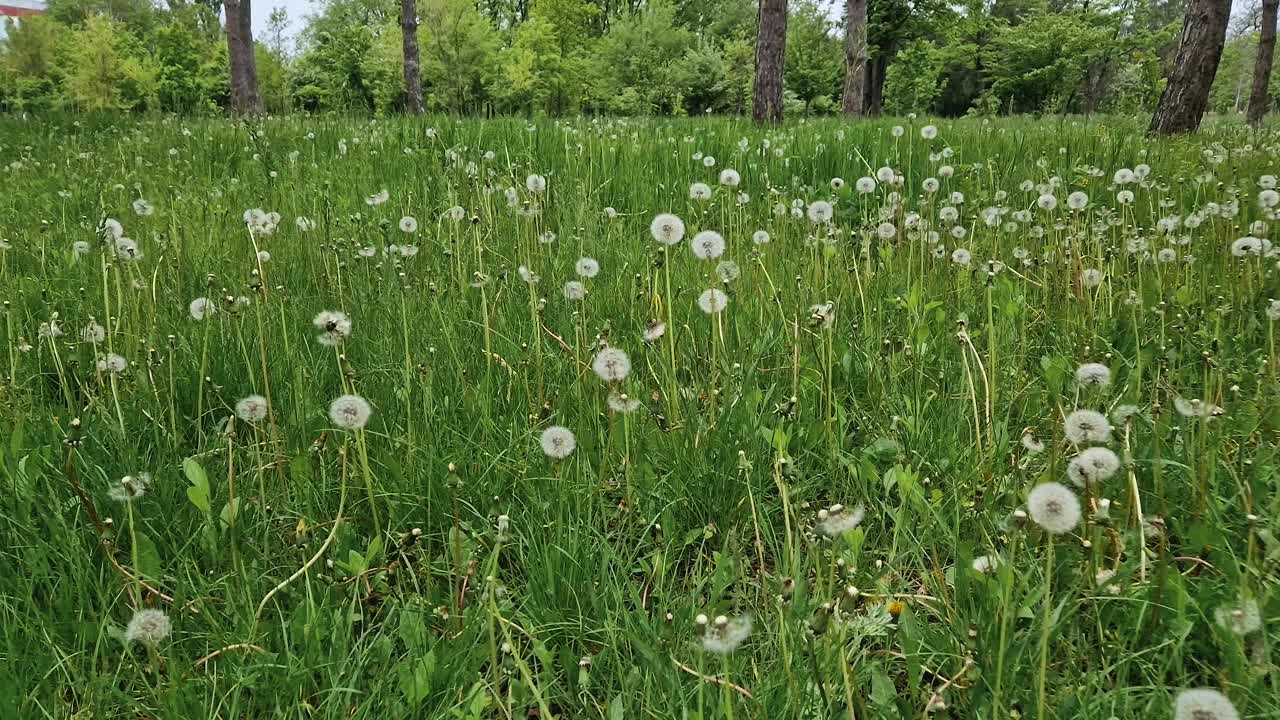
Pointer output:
313, 572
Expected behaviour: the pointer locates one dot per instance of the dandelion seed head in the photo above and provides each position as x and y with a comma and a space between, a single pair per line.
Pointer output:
1092, 466
667, 229
1054, 508
558, 442
148, 627
587, 267
1084, 426
350, 412
713, 301
707, 245
611, 365
1203, 704
252, 409
724, 635
334, 326
1093, 375
200, 308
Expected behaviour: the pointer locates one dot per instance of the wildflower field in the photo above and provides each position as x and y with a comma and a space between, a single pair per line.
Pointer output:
330, 418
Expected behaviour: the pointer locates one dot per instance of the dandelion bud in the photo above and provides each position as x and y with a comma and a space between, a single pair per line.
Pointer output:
701, 619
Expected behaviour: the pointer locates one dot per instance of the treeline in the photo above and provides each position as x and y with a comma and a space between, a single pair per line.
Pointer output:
616, 57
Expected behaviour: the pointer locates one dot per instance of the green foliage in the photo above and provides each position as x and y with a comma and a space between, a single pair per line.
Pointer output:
610, 57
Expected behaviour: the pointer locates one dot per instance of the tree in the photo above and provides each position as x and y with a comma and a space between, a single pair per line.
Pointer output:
240, 53
1186, 96
771, 39
1259, 100
855, 57
409, 35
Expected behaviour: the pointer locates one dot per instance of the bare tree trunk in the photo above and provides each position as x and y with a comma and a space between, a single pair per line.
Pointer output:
855, 57
1186, 96
771, 43
875, 84
244, 68
412, 78
1259, 98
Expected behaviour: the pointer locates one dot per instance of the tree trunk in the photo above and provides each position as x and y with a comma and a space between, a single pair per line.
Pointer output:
412, 78
875, 84
855, 57
1259, 99
1186, 96
771, 42
244, 68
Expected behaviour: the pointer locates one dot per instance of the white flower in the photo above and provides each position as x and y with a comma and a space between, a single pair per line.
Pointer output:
655, 330
1047, 202
699, 191
456, 213
838, 520
1092, 466
80, 247
929, 132
961, 257
350, 412
148, 626
536, 184
707, 245
142, 207
730, 178
865, 185
252, 409
820, 211
378, 198
200, 308
761, 237
611, 365
335, 327
713, 301
1087, 426
587, 267
1053, 507
1241, 619
1273, 310
1203, 704
1077, 200
558, 442
667, 229
574, 290
725, 635
1093, 374
304, 224
408, 224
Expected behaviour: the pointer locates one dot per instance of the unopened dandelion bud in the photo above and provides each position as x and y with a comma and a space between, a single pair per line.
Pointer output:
701, 619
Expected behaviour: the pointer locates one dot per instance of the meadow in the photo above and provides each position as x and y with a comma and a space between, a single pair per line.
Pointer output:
338, 418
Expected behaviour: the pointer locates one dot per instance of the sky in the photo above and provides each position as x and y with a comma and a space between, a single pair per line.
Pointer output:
297, 10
